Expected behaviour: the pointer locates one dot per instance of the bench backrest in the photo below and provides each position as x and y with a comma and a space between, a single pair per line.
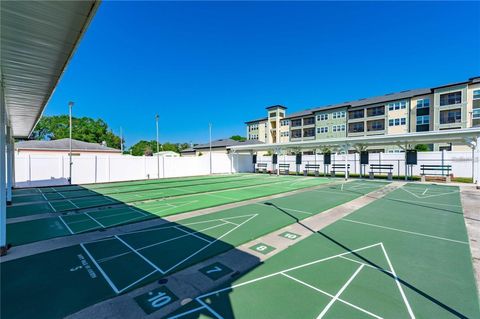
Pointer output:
283, 165
312, 166
436, 168
340, 166
380, 167
262, 165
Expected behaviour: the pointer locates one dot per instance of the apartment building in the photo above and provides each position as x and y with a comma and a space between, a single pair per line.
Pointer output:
450, 106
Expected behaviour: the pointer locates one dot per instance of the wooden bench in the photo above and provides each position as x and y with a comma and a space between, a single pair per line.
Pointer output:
311, 167
380, 168
442, 171
339, 167
261, 168
284, 168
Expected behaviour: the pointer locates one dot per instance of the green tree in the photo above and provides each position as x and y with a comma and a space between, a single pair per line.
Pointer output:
238, 138
83, 129
422, 148
148, 148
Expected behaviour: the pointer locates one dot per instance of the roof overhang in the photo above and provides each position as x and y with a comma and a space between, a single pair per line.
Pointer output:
460, 136
38, 39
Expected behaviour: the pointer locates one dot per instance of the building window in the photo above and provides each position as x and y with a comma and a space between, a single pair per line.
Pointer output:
476, 114
451, 98
322, 130
424, 103
424, 119
322, 117
356, 127
376, 125
397, 106
284, 133
403, 121
309, 121
356, 114
308, 132
376, 111
273, 114
284, 122
476, 95
297, 122
340, 114
296, 133
450, 116
281, 114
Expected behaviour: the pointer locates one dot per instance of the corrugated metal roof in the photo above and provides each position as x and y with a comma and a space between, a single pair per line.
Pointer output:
38, 39
63, 145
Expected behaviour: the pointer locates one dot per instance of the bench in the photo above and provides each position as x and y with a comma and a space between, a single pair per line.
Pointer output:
261, 168
339, 167
436, 170
380, 168
284, 168
311, 167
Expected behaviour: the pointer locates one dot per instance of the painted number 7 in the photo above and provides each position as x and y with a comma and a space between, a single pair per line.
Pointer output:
214, 269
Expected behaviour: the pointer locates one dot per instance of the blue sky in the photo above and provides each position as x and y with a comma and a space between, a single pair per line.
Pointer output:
224, 62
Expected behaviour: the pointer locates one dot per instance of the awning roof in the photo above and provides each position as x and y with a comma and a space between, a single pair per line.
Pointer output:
446, 136
38, 38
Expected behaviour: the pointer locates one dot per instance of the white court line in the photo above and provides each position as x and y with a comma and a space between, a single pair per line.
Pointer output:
208, 245
287, 270
331, 296
96, 221
109, 281
293, 210
335, 298
187, 224
156, 244
187, 312
209, 309
425, 191
404, 231
220, 196
342, 187
193, 234
140, 255
72, 203
54, 210
420, 202
368, 265
44, 197
228, 222
428, 196
137, 281
407, 304
71, 232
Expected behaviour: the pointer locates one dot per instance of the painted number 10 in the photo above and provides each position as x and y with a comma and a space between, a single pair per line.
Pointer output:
160, 300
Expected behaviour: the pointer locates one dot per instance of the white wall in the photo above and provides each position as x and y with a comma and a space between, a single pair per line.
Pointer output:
461, 161
42, 170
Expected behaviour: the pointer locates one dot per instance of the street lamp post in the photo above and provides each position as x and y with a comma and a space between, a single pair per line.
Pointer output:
70, 105
210, 144
158, 149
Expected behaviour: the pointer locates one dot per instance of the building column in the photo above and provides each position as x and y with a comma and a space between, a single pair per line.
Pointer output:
345, 148
477, 149
3, 197
9, 142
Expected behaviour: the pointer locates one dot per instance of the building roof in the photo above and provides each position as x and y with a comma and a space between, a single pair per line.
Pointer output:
257, 120
38, 40
225, 142
389, 97
276, 106
63, 145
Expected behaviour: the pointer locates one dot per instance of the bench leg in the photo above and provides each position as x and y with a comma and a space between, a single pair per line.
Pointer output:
448, 179
317, 173
389, 176
305, 172
423, 179
371, 175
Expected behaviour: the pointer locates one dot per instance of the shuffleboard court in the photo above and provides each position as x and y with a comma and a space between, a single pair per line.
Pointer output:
82, 275
99, 200
104, 217
402, 256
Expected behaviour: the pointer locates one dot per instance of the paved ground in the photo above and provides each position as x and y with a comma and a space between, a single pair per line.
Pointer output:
401, 253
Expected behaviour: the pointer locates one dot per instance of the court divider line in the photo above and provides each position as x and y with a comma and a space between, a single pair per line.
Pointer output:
140, 255
109, 281
404, 231
71, 232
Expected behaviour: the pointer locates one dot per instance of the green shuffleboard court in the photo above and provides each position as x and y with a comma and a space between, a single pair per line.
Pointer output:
170, 189
63, 281
402, 256
104, 217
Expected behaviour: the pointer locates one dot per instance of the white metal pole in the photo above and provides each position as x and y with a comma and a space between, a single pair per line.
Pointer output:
121, 140
70, 105
346, 162
158, 149
9, 165
3, 203
477, 147
210, 144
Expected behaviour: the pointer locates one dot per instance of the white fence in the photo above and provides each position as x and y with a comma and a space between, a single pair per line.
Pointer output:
461, 162
43, 170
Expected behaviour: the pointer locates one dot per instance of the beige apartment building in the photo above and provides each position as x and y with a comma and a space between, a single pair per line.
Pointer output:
450, 106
